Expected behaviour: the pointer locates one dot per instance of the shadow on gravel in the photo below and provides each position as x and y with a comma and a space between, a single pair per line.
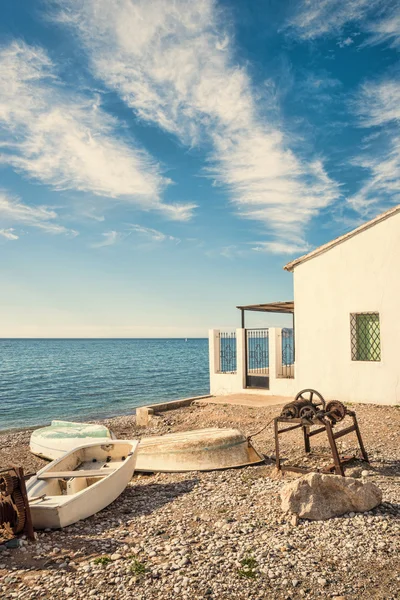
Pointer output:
143, 499
389, 468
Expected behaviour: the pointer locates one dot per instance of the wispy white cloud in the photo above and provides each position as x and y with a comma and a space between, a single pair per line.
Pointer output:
153, 234
8, 234
12, 211
346, 42
367, 139
231, 251
378, 106
179, 212
109, 239
89, 213
275, 247
316, 18
319, 91
382, 183
380, 19
281, 248
173, 64
65, 140
321, 80
387, 29
378, 103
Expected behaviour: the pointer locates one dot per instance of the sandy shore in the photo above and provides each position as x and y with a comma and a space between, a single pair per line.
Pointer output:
190, 535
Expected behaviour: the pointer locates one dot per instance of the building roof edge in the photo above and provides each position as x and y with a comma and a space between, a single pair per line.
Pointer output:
339, 240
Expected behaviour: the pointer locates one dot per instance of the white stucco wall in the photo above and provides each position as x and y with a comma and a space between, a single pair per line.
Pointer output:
360, 275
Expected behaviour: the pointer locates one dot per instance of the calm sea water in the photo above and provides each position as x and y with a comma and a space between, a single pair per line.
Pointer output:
42, 380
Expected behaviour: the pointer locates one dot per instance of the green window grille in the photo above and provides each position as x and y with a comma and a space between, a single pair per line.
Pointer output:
365, 336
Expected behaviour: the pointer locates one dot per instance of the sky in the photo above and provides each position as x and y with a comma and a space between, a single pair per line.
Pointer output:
162, 160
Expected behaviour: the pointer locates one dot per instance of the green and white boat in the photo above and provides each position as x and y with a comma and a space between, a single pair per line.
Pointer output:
54, 441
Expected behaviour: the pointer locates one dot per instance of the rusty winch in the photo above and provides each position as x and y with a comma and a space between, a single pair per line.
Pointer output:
309, 410
14, 506
310, 403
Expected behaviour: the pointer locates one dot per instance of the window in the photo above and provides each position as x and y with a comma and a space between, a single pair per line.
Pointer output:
365, 336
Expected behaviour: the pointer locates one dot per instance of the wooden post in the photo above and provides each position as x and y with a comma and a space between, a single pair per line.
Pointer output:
336, 459
278, 462
358, 433
307, 445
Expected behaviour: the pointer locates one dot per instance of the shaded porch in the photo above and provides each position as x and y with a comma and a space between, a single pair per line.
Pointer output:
254, 360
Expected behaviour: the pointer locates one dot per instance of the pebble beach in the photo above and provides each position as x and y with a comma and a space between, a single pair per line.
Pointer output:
217, 535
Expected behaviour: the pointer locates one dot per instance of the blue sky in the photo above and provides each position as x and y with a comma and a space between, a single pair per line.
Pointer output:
161, 160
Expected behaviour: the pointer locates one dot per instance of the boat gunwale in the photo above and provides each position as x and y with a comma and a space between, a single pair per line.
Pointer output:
35, 478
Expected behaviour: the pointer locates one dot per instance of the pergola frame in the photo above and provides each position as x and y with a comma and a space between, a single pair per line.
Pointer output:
272, 307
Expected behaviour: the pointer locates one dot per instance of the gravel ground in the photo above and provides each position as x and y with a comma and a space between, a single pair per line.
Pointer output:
217, 535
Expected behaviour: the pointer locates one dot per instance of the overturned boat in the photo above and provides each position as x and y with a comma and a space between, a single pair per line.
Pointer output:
60, 437
200, 450
81, 483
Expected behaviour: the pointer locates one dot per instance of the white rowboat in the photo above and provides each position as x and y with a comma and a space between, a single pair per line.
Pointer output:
81, 483
199, 450
60, 437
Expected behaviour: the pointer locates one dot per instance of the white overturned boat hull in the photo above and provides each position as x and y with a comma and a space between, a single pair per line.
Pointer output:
200, 450
75, 487
54, 441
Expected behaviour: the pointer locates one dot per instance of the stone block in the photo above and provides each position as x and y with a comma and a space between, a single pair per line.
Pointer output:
143, 416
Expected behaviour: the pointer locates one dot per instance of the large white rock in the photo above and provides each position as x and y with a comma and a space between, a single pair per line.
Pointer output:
317, 497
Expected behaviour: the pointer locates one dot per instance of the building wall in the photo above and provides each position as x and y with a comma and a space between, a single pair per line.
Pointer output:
360, 275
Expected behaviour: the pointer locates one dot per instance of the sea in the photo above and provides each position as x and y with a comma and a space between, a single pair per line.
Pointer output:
84, 379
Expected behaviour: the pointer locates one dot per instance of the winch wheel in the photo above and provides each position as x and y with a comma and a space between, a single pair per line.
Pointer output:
337, 409
311, 396
308, 412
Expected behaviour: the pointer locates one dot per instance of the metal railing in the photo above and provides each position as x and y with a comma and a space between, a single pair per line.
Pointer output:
286, 368
227, 352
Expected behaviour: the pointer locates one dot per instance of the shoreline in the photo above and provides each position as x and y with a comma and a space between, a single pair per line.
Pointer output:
104, 418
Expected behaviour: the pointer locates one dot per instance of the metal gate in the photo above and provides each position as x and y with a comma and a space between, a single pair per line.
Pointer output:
257, 358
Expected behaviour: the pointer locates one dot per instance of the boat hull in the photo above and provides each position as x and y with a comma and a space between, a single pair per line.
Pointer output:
63, 436
200, 450
88, 494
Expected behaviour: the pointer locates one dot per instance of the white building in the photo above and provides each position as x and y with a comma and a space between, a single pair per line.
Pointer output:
346, 341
